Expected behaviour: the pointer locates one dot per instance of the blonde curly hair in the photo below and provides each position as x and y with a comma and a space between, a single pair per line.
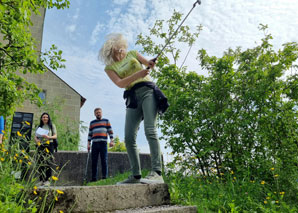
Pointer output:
112, 40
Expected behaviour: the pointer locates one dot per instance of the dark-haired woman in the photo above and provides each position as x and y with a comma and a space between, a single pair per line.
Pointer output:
45, 149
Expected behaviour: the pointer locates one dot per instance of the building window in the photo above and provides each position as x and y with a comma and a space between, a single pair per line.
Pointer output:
42, 96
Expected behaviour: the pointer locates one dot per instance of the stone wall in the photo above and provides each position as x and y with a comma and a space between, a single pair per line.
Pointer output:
74, 164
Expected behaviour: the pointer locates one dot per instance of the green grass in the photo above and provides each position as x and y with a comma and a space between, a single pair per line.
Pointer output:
113, 180
211, 194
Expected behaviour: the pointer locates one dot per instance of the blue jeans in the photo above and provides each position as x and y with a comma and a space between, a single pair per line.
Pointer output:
102, 149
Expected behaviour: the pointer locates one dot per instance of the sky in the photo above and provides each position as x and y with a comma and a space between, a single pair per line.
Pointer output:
80, 30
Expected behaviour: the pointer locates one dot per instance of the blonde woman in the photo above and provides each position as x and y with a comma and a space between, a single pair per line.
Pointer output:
125, 69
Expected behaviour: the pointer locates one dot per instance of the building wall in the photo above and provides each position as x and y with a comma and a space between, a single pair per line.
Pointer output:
37, 27
55, 90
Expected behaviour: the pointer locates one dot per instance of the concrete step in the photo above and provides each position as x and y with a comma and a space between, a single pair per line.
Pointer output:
162, 208
112, 198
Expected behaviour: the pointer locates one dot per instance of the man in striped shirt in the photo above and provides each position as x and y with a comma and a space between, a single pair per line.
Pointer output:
99, 130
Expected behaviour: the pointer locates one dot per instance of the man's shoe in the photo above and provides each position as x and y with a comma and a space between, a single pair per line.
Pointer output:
153, 177
130, 180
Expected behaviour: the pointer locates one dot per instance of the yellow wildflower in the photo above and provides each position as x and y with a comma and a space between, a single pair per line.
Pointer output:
56, 198
38, 143
19, 134
23, 151
263, 182
282, 193
276, 176
47, 150
60, 192
35, 187
26, 122
20, 161
57, 168
2, 159
234, 178
61, 211
14, 157
26, 157
34, 192
3, 131
221, 173
47, 142
29, 163
232, 172
272, 169
267, 198
276, 201
265, 201
17, 155
54, 178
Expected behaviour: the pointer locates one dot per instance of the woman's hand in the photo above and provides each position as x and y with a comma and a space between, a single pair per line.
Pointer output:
151, 63
143, 73
46, 136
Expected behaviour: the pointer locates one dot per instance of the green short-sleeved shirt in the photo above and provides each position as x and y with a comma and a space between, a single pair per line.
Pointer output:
128, 66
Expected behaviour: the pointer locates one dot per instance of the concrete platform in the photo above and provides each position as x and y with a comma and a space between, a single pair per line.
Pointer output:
107, 198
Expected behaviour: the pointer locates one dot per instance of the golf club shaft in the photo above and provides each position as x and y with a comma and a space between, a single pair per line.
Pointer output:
168, 41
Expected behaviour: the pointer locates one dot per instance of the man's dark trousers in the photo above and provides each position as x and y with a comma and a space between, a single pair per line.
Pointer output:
102, 149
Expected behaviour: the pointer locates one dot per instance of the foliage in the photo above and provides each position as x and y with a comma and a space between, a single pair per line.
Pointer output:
241, 118
19, 172
228, 193
118, 146
18, 52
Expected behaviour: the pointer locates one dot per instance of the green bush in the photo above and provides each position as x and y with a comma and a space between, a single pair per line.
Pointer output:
118, 146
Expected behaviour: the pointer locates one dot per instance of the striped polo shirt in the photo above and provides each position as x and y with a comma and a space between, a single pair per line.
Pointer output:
99, 130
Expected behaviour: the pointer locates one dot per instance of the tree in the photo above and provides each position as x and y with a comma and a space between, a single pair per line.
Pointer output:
118, 147
242, 117
18, 52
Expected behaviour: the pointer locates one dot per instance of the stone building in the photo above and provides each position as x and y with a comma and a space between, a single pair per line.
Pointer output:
53, 87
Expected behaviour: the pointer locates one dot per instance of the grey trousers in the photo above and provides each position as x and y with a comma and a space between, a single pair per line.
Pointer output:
147, 109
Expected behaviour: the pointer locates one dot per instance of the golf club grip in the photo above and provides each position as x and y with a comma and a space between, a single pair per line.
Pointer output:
154, 59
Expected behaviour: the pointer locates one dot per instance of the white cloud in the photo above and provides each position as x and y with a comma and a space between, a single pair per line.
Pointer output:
120, 2
76, 15
71, 28
95, 33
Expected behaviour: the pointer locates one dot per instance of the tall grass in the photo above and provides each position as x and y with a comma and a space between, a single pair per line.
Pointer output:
19, 175
230, 194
